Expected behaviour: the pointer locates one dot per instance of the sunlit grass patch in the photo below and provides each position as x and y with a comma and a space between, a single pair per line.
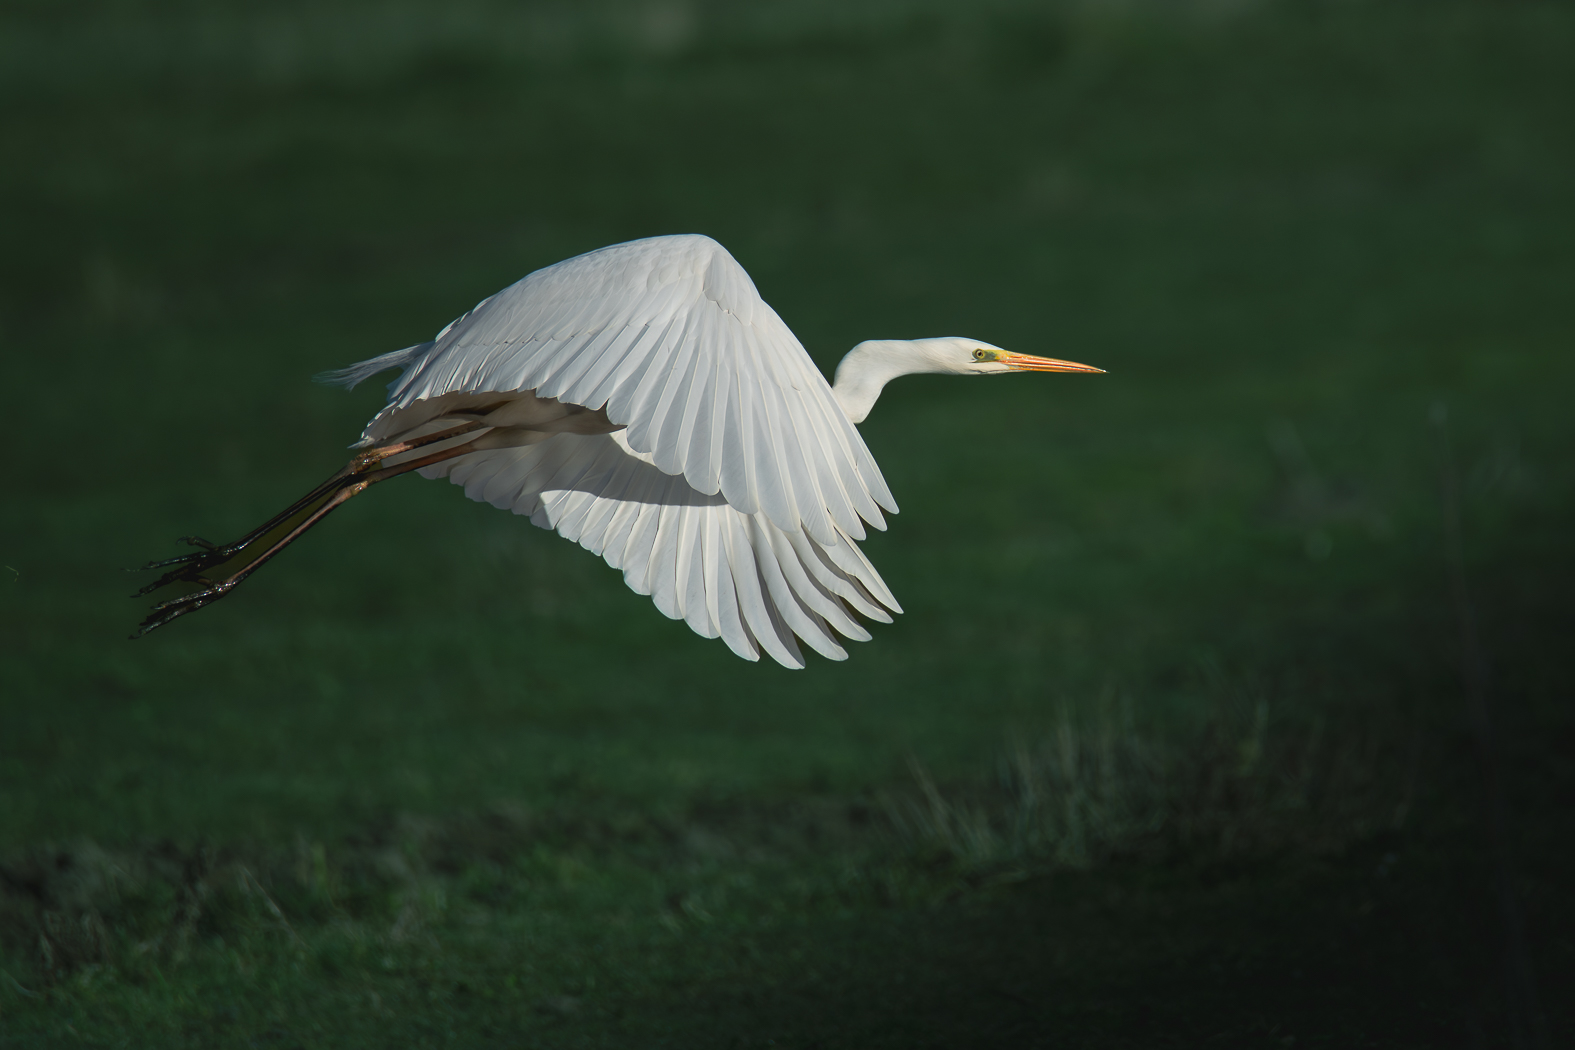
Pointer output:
1238, 785
1095, 790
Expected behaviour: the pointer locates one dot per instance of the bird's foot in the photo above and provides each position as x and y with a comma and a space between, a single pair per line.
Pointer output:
200, 569
206, 550
165, 611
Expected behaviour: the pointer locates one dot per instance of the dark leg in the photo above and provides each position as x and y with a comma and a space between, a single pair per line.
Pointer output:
214, 570
361, 464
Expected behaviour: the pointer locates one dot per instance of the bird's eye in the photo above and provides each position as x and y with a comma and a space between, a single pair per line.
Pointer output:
981, 355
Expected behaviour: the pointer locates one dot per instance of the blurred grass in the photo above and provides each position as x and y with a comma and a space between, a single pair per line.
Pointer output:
1286, 229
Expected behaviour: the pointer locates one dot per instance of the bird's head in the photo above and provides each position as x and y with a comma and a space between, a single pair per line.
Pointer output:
958, 356
873, 363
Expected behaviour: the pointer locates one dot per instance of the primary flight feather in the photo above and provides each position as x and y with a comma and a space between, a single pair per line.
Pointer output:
645, 402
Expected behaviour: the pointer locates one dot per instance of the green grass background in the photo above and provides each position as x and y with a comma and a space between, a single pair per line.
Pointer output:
1287, 229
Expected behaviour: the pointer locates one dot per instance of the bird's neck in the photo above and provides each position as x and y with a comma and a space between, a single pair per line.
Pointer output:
868, 367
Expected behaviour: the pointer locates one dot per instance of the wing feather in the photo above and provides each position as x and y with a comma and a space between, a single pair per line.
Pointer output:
796, 613
671, 337
816, 596
693, 441
769, 632
721, 604
641, 545
630, 362
662, 583
690, 571
612, 345
772, 454
829, 576
668, 414
728, 574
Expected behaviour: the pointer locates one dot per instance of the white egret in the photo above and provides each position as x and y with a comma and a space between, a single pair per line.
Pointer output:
645, 402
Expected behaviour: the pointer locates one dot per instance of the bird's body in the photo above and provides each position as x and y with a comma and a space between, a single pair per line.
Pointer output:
645, 402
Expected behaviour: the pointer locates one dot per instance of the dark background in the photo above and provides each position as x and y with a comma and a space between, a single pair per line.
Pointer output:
1172, 742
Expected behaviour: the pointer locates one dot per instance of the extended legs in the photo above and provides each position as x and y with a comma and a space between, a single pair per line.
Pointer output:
213, 570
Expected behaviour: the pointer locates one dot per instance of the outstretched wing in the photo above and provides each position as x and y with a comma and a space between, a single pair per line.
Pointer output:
670, 336
724, 571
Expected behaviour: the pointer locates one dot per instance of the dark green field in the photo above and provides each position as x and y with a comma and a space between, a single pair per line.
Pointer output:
1171, 746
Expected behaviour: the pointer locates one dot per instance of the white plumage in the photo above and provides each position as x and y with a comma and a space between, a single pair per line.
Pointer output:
645, 402
671, 337
724, 572
735, 494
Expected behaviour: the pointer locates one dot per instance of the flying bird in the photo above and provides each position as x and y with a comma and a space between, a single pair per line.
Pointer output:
643, 401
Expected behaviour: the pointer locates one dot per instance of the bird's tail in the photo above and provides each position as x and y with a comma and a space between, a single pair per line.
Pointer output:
352, 375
